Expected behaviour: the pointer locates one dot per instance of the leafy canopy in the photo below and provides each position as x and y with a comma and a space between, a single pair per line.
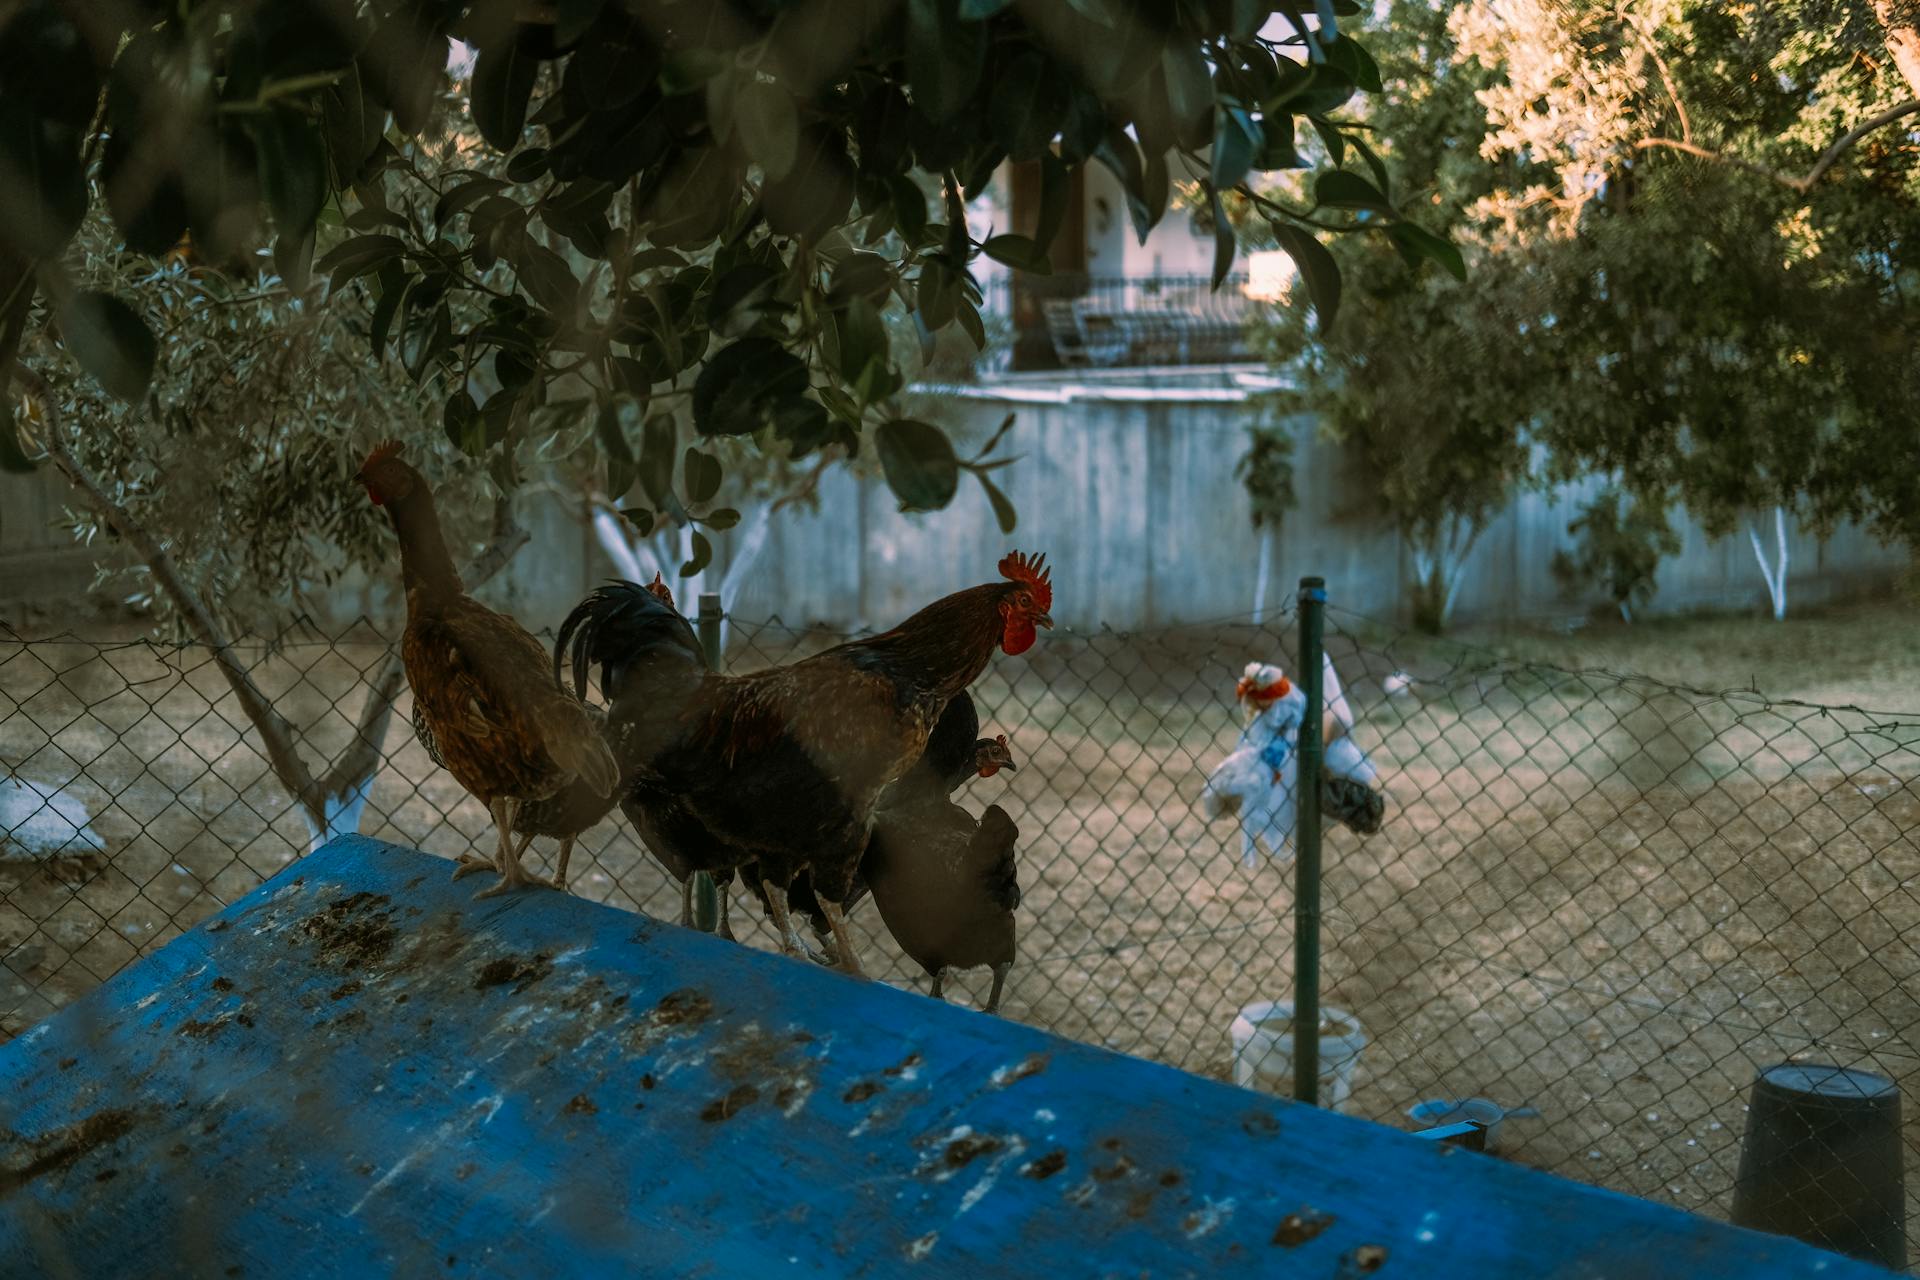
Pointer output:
681, 221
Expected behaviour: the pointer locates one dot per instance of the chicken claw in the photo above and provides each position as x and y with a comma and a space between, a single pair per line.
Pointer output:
472, 862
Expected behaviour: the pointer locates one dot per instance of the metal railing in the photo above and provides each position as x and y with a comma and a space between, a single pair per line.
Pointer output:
1597, 905
1081, 321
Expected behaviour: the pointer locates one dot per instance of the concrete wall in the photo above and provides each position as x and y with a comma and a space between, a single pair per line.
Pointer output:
1131, 494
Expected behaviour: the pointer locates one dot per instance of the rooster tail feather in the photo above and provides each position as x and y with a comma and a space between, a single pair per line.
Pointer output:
610, 626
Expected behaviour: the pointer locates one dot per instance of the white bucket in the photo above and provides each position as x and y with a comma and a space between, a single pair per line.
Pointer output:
1263, 1050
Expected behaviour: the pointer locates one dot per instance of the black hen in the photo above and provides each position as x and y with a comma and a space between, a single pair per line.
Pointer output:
947, 887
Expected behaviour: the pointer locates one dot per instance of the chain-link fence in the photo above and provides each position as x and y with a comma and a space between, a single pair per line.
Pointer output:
1594, 896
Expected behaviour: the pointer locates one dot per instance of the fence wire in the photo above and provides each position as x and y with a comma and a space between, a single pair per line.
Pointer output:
1599, 897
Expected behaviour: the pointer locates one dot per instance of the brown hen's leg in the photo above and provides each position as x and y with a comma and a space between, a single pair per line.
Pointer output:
999, 981
560, 872
686, 902
939, 978
722, 927
472, 862
843, 934
512, 874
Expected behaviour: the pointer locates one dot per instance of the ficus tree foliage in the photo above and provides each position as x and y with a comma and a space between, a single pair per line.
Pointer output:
682, 221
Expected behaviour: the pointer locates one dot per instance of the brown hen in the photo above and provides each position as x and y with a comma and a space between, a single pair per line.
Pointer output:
481, 684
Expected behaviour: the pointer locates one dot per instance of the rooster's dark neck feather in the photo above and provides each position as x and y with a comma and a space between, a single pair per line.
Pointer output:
950, 641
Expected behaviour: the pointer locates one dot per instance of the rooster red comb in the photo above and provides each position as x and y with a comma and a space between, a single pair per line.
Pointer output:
1033, 571
381, 452
661, 591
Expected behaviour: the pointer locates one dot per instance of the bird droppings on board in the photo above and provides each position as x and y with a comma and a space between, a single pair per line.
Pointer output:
221, 984
740, 1098
1208, 1217
1032, 1065
352, 932
1171, 1178
919, 1249
861, 1090
908, 1068
1120, 1168
580, 1105
683, 1008
1301, 1226
509, 968
969, 1147
197, 1030
63, 1148
1260, 1124
1045, 1166
1362, 1260
350, 987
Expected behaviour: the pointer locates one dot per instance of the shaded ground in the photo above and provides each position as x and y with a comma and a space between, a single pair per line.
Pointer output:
1601, 897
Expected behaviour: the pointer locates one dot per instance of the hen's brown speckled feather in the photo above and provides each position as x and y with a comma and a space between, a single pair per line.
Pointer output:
481, 685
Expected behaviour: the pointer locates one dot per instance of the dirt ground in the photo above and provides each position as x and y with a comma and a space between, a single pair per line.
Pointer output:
1593, 895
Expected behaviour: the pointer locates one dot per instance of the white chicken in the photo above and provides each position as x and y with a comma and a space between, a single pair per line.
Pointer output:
1258, 780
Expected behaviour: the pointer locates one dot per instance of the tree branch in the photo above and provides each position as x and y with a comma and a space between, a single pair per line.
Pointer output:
1820, 167
276, 733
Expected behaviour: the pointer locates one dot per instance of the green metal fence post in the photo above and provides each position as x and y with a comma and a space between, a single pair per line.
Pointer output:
706, 897
1306, 876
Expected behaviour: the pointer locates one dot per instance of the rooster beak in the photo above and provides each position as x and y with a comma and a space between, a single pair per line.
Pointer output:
1042, 620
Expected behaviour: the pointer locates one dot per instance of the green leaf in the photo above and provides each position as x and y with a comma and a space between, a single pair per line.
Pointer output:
769, 127
615, 423
861, 275
1346, 55
1317, 268
12, 457
1189, 83
1029, 98
545, 276
1332, 139
861, 338
999, 433
702, 556
737, 389
976, 330
1424, 244
919, 464
460, 419
359, 256
1018, 252
701, 476
1276, 147
110, 342
945, 56
657, 449
721, 519
1340, 189
1234, 145
1223, 239
1003, 511
462, 196
293, 169
501, 85
639, 517
937, 294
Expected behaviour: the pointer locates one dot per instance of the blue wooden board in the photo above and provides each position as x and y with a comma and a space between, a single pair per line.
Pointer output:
358, 1070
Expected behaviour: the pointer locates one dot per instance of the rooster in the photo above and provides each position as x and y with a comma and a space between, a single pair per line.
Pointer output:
955, 755
1258, 780
785, 767
480, 683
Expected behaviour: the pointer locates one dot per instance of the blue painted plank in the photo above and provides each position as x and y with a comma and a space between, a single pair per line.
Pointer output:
360, 1070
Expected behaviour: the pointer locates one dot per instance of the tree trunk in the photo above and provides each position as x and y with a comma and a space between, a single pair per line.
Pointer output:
1900, 26
1775, 575
1262, 574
